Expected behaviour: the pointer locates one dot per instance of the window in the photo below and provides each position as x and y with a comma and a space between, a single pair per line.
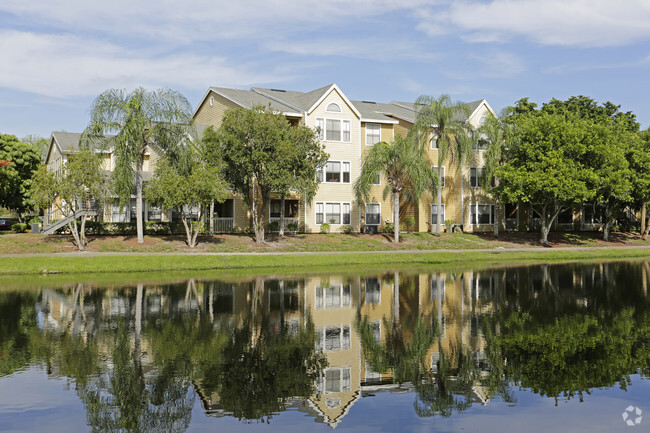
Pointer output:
333, 129
333, 297
482, 214
333, 212
275, 209
442, 175
118, 216
346, 213
373, 291
333, 338
372, 133
377, 179
434, 214
337, 379
334, 172
346, 172
475, 174
437, 288
333, 107
433, 139
154, 213
373, 213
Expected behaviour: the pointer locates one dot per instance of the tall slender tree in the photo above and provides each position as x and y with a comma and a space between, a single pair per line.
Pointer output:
442, 123
493, 131
138, 119
406, 166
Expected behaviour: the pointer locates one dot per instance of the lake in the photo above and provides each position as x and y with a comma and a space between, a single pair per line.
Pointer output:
561, 347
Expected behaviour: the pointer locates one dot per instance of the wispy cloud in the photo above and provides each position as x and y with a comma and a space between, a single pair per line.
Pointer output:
68, 65
584, 23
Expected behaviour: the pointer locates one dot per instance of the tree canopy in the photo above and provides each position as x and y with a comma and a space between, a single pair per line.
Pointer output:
141, 118
262, 154
16, 175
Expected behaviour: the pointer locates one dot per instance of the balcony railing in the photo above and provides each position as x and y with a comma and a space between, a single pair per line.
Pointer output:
224, 225
287, 222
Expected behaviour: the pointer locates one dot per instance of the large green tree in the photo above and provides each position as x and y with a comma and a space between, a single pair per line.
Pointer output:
546, 163
259, 152
139, 119
443, 123
406, 166
22, 161
639, 158
72, 191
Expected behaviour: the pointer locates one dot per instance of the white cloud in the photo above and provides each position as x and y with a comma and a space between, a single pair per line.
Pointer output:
67, 65
193, 20
370, 48
585, 23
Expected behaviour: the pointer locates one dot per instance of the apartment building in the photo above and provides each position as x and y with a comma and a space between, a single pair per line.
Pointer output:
348, 129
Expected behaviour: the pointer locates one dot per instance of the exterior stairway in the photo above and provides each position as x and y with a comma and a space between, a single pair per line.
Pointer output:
84, 212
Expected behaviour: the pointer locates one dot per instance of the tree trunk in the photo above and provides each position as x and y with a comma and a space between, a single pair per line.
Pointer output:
462, 196
496, 218
137, 353
644, 225
545, 227
211, 223
138, 198
282, 215
438, 208
606, 227
195, 231
396, 215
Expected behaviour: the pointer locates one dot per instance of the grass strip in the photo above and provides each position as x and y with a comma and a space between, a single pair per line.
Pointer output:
286, 263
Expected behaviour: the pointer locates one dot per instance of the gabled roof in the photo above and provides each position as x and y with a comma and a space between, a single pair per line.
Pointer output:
249, 99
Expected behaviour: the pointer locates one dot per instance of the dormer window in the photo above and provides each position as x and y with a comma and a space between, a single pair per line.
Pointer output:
333, 108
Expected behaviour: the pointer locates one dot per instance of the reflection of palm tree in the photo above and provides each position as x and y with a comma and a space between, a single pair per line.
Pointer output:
406, 360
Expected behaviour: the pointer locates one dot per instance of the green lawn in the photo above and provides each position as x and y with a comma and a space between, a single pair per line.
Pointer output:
288, 263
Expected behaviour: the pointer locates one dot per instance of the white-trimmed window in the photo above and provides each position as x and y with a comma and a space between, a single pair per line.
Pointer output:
482, 214
373, 214
336, 380
333, 107
333, 212
434, 214
437, 288
442, 174
377, 179
333, 338
475, 175
373, 133
433, 139
335, 172
337, 296
333, 129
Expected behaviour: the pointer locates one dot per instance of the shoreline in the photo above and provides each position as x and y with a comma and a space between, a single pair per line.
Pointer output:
78, 263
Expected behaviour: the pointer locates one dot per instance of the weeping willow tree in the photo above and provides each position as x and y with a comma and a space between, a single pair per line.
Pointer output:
138, 119
442, 123
407, 168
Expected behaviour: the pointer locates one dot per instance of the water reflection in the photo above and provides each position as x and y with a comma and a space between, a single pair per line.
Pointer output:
138, 357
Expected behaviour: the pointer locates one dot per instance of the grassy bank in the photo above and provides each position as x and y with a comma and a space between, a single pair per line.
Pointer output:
286, 263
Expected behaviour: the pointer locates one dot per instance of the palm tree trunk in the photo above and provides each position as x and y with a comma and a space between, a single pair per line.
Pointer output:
644, 211
211, 223
439, 207
462, 196
496, 217
138, 199
396, 214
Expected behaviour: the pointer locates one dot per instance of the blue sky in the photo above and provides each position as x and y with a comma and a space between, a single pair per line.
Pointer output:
55, 57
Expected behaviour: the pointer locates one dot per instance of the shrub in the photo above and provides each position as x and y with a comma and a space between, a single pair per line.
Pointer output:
347, 229
273, 227
19, 227
409, 223
388, 228
325, 228
292, 227
36, 219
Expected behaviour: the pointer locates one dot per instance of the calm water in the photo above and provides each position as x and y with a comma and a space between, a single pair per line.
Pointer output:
560, 347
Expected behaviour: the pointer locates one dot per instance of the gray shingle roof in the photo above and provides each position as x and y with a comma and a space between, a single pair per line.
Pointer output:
249, 99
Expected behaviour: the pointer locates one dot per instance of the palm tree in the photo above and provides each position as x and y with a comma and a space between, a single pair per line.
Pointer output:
405, 165
138, 119
444, 123
493, 131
